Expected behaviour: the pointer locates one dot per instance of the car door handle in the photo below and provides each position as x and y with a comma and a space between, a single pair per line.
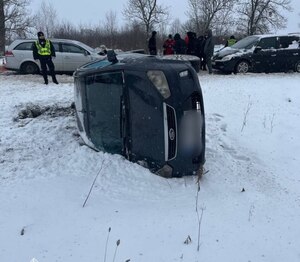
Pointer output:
274, 55
295, 53
67, 57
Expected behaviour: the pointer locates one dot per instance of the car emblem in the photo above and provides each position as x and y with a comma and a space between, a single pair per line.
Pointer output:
172, 134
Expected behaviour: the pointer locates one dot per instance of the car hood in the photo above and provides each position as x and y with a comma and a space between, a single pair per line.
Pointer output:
229, 51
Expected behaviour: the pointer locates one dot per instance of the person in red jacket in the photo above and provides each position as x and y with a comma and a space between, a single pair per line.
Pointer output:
169, 46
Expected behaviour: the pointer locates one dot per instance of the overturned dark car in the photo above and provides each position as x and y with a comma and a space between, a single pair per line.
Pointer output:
145, 108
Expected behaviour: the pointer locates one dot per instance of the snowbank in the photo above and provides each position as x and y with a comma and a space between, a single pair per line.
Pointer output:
249, 198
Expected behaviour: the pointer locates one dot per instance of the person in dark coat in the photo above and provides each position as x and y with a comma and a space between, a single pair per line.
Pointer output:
209, 49
200, 51
192, 43
43, 50
152, 44
169, 46
180, 46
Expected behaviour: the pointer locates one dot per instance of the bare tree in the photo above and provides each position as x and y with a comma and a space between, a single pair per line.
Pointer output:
46, 18
146, 12
2, 28
176, 26
260, 16
205, 14
14, 20
111, 25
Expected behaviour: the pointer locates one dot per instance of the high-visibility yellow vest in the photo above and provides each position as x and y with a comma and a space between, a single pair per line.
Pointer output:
231, 42
43, 51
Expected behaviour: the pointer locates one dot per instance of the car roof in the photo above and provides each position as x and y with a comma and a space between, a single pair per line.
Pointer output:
18, 41
278, 35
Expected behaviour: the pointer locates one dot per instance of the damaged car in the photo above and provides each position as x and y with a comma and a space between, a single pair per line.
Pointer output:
145, 108
260, 53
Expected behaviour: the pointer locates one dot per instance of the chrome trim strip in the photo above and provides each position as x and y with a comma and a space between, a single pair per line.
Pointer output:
166, 131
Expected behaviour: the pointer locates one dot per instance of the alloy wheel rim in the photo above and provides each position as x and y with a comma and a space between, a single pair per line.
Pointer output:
298, 67
243, 67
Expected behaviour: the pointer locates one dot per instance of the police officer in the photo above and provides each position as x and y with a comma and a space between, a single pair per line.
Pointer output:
43, 50
231, 41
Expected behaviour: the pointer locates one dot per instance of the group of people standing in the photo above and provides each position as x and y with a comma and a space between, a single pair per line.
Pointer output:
202, 46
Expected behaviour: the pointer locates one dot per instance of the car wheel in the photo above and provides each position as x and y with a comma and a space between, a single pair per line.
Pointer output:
242, 67
297, 67
29, 68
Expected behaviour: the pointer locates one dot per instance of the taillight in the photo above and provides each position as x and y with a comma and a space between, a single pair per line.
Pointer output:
9, 53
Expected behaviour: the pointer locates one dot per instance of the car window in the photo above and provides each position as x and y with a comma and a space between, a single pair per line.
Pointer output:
288, 42
268, 43
56, 47
246, 43
24, 46
98, 64
69, 48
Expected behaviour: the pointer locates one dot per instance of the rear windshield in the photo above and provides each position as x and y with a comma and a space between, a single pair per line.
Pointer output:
246, 43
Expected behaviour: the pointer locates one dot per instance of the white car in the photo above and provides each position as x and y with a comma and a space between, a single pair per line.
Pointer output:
70, 55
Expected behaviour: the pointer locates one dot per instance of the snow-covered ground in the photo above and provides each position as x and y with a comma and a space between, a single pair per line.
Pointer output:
249, 197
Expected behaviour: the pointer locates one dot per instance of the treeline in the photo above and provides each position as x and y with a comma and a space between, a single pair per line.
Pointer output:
224, 17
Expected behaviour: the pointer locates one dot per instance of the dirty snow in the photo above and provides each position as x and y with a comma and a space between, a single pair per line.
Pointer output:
249, 196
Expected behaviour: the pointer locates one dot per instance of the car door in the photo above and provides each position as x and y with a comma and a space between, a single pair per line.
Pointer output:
74, 56
265, 55
105, 97
58, 59
288, 52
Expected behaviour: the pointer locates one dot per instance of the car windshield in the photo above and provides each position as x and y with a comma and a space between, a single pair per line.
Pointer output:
246, 43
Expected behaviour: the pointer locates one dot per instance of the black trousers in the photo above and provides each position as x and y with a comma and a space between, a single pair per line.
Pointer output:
47, 61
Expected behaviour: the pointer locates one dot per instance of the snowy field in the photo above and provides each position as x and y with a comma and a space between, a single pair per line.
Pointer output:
249, 197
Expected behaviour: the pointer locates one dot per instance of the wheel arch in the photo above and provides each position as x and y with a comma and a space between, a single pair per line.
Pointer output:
28, 61
242, 59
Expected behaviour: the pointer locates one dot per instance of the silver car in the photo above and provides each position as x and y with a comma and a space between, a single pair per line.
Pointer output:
70, 55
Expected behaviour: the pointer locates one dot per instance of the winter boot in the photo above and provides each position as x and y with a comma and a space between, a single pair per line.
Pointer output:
46, 80
54, 80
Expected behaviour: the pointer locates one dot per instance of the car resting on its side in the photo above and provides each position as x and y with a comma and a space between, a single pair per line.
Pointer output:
148, 109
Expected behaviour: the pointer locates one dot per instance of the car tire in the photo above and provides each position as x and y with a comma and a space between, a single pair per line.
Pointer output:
297, 67
29, 68
242, 67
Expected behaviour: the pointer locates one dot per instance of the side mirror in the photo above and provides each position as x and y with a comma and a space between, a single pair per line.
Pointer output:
257, 49
86, 53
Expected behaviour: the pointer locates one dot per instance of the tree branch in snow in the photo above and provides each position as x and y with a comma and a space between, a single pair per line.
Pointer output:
246, 114
93, 184
117, 244
198, 215
109, 229
199, 226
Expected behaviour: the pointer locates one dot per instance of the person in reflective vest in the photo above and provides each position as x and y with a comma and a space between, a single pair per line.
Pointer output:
43, 50
231, 41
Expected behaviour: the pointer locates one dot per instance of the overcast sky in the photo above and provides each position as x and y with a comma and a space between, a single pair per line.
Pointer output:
94, 11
